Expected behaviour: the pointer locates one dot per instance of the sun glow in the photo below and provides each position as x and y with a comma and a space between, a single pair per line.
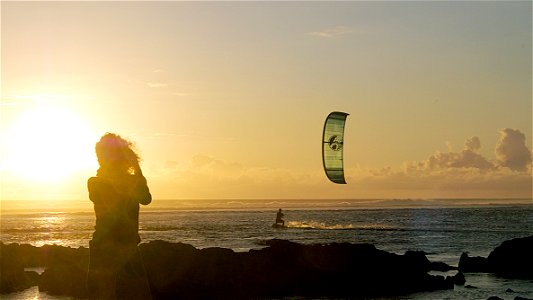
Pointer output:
48, 144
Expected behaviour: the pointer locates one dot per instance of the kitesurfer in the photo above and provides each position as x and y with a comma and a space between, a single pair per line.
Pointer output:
279, 218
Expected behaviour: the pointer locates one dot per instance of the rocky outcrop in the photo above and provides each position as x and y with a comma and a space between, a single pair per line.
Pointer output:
512, 259
65, 274
473, 264
284, 268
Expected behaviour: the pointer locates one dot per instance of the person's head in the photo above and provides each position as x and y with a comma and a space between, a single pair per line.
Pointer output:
280, 210
115, 154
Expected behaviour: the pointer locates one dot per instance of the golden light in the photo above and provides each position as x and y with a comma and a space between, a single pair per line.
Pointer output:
49, 144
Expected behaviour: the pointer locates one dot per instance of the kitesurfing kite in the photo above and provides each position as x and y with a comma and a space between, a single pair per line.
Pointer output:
332, 146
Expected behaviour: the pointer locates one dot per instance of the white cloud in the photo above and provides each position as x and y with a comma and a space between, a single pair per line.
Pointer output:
156, 84
511, 150
465, 173
332, 32
473, 144
467, 158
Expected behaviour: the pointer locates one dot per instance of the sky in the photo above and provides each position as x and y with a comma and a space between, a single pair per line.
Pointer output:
227, 100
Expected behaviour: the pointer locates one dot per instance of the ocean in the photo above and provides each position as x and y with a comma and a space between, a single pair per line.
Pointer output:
441, 228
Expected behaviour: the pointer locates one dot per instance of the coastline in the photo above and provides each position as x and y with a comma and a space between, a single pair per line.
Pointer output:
287, 269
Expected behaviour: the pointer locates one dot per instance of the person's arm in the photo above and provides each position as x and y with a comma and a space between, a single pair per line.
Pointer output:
141, 192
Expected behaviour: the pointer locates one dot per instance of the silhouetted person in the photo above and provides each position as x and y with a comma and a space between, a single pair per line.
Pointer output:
116, 270
279, 218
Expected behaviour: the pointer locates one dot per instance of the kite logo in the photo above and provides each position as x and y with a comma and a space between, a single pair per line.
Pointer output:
335, 143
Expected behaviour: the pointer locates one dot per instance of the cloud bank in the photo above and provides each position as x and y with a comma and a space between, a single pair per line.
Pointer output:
511, 150
461, 174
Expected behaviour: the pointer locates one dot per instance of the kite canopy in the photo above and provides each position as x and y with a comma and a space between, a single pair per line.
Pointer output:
332, 146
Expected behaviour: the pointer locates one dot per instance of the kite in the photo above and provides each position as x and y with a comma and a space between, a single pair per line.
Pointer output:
333, 146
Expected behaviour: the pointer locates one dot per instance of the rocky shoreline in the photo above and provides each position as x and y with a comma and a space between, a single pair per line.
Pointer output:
282, 269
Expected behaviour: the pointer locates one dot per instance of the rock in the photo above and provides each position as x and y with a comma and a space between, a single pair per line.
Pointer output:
521, 298
16, 279
472, 264
283, 269
513, 258
494, 298
442, 267
458, 279
13, 259
66, 271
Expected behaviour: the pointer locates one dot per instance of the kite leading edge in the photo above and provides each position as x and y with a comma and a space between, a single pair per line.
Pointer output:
332, 146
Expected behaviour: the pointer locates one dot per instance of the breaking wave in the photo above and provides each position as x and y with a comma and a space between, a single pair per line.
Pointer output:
317, 225
323, 226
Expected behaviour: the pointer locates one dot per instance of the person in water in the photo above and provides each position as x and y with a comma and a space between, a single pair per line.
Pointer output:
116, 270
279, 218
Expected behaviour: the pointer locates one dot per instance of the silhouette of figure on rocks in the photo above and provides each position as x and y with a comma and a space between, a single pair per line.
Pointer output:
116, 270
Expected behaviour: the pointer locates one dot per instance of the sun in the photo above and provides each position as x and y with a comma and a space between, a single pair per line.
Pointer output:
49, 144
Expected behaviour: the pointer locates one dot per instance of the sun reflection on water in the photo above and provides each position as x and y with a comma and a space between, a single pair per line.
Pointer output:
51, 226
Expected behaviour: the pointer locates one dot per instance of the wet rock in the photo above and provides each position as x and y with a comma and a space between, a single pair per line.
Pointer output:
13, 259
282, 269
66, 271
473, 264
442, 267
458, 279
513, 258
285, 269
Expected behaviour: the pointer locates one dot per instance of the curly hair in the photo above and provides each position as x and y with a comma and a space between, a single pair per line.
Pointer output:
115, 153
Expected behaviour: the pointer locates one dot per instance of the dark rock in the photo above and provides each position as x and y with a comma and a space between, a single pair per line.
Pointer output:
13, 259
442, 267
509, 291
494, 298
66, 271
521, 298
472, 264
458, 279
16, 279
513, 258
283, 269
468, 286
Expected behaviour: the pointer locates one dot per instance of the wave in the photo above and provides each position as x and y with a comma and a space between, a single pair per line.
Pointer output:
317, 225
159, 228
323, 226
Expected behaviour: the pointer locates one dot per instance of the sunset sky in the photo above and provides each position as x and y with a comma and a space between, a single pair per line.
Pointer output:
228, 99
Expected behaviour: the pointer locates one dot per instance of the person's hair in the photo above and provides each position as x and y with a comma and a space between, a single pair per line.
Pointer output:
115, 152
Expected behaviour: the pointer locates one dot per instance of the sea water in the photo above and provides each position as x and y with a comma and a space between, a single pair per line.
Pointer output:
441, 228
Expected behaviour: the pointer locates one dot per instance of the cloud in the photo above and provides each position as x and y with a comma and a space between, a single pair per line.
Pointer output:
464, 173
332, 32
511, 150
467, 158
156, 84
473, 144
